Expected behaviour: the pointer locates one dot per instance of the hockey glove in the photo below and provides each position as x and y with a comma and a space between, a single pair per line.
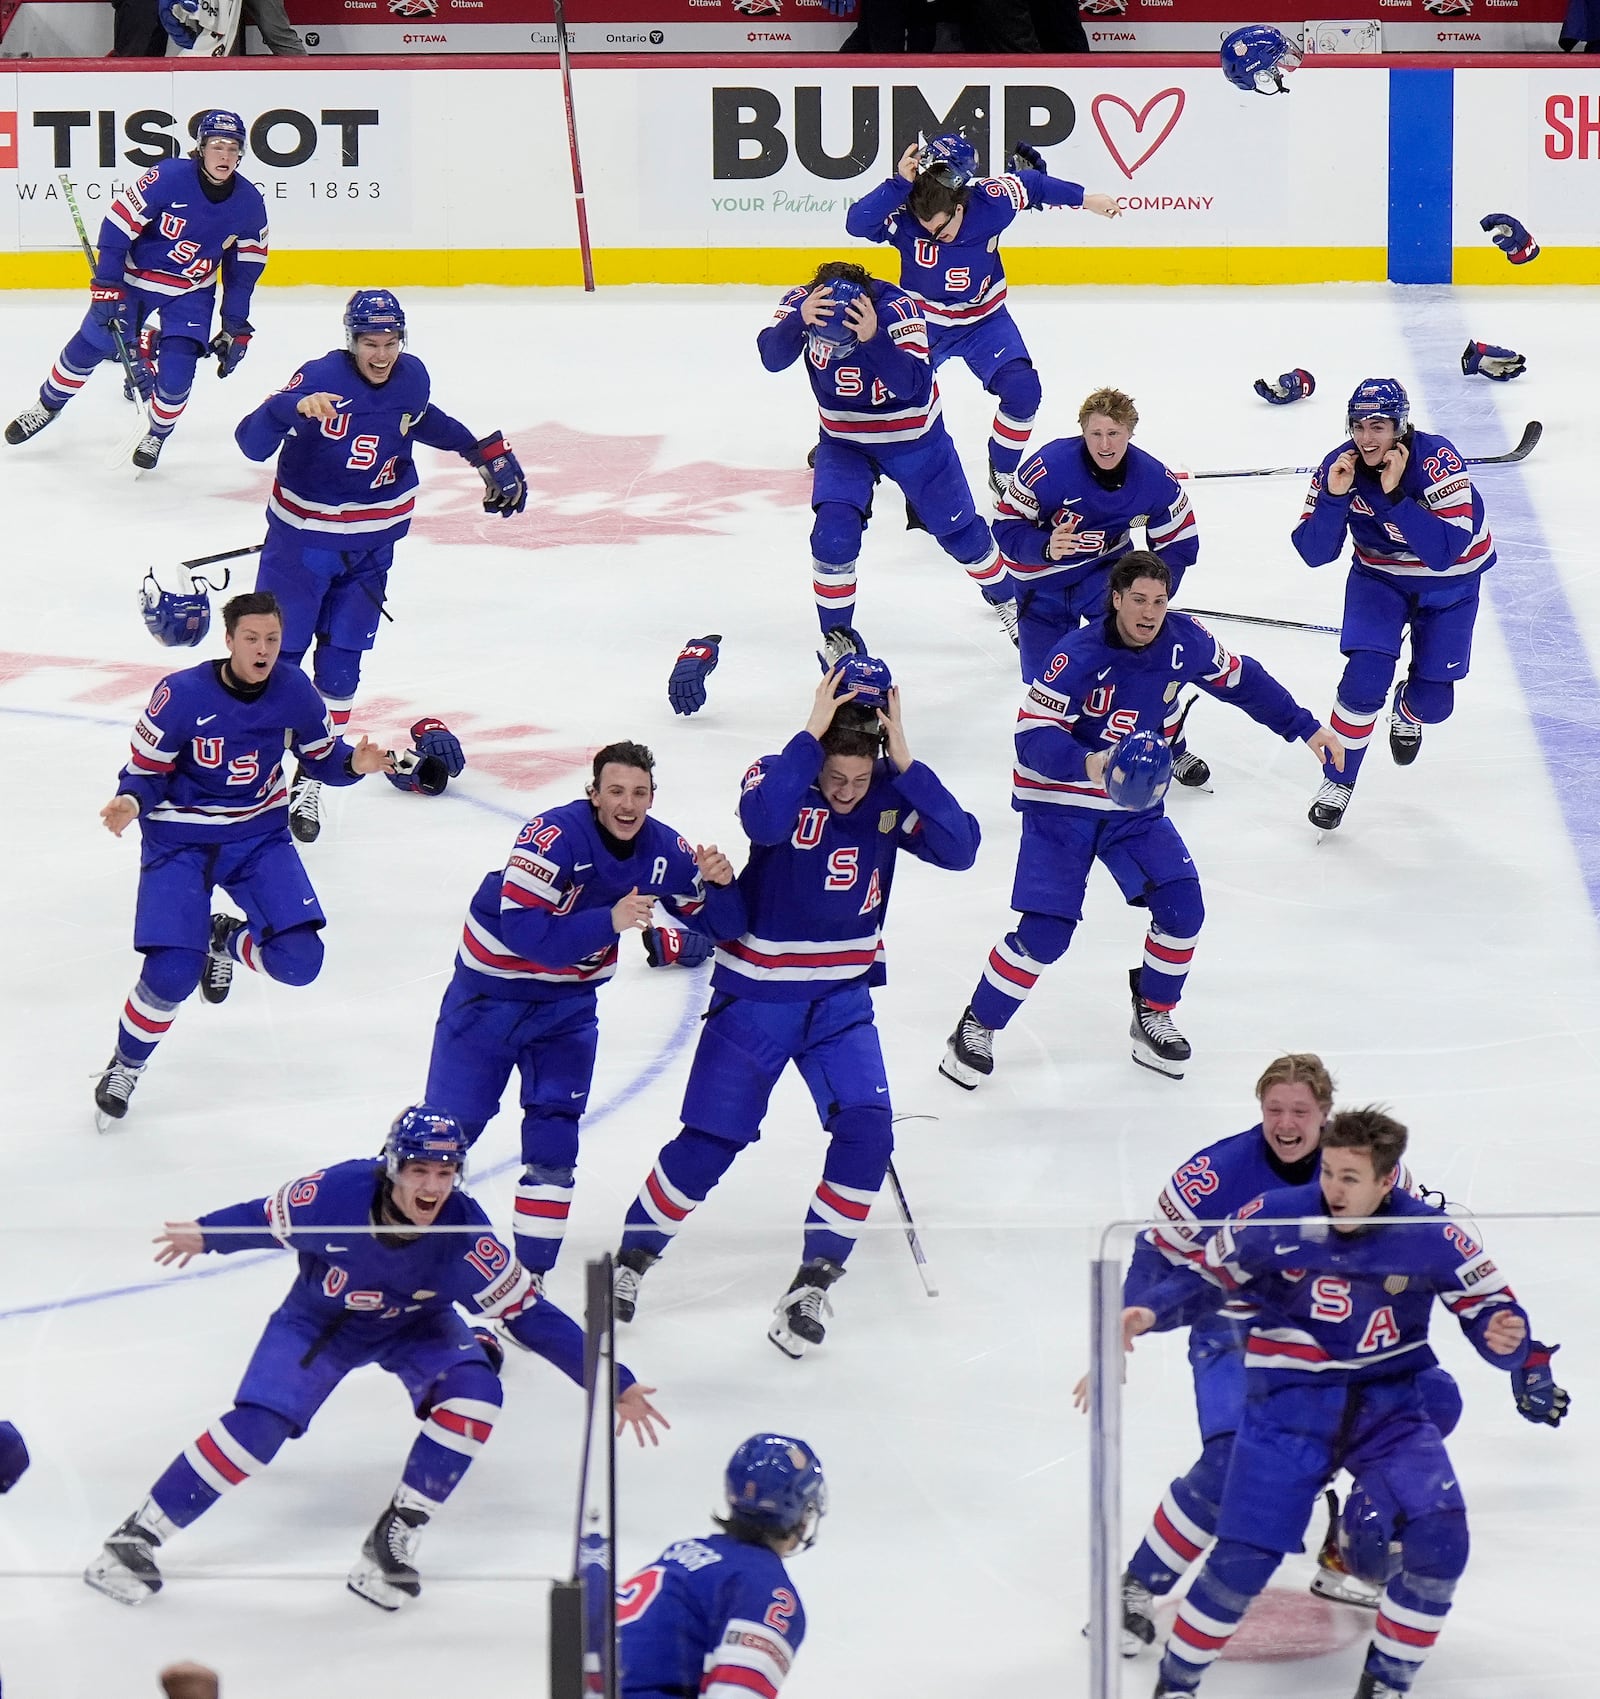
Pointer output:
1538, 1397
109, 305
686, 683
231, 344
504, 485
493, 1349
1510, 235
1024, 158
1483, 359
425, 775
434, 738
13, 1457
1289, 387
143, 383
675, 946
180, 21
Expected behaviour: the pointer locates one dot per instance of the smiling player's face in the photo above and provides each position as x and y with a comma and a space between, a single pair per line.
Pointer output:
621, 798
421, 1188
376, 355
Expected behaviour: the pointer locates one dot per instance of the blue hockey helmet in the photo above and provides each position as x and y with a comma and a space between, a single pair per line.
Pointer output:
1257, 58
425, 1134
373, 312
1380, 398
776, 1483
833, 339
1364, 1539
218, 121
1139, 771
180, 617
868, 677
949, 159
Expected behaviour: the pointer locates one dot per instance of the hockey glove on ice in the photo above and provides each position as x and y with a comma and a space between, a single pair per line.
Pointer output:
13, 1457
1511, 236
435, 761
435, 738
1289, 387
1024, 158
1538, 1397
1483, 359
504, 485
686, 683
231, 344
674, 946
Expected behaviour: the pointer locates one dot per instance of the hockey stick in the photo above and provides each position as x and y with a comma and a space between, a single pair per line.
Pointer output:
1259, 619
124, 358
227, 554
1531, 433
584, 252
913, 1238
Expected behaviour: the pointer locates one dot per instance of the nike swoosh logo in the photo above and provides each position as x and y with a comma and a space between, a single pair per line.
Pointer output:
336, 1247
1445, 1486
578, 1094
205, 719
882, 1089
582, 866
307, 902
1100, 675
177, 204
1287, 1250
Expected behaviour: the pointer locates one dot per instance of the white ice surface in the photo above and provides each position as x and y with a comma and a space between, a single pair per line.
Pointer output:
1439, 951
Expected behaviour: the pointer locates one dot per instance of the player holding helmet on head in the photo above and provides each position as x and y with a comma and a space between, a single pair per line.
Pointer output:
945, 220
163, 244
346, 485
865, 345
1419, 547
718, 1616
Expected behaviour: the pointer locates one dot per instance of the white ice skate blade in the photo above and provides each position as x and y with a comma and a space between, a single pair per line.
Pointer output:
1345, 1589
790, 1344
1167, 1070
108, 1574
958, 1073
367, 1581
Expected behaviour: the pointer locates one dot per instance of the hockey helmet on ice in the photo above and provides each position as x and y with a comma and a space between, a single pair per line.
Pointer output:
776, 1483
180, 617
1257, 59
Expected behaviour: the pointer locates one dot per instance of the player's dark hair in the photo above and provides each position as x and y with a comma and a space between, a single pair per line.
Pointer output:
625, 754
855, 731
260, 602
1140, 564
1372, 1129
749, 1533
932, 197
1299, 1067
841, 271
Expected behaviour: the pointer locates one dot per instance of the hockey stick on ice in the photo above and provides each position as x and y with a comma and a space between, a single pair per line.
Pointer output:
1259, 619
1526, 444
124, 358
584, 253
913, 1238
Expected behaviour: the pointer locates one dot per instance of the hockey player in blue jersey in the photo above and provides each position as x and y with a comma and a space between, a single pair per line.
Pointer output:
1105, 682
827, 820
163, 246
718, 1616
1333, 1364
342, 497
205, 781
945, 221
388, 1248
1419, 547
540, 940
865, 346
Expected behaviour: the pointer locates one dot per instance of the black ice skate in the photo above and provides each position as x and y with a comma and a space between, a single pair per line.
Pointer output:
1138, 1616
798, 1321
1369, 1687
1190, 771
386, 1576
1333, 1580
30, 421
217, 980
1405, 733
148, 452
1157, 1043
126, 1569
305, 809
1328, 805
112, 1091
628, 1268
1007, 610
969, 1056
997, 483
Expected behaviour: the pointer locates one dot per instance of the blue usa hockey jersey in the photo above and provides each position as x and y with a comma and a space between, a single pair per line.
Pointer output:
206, 761
817, 884
713, 1617
540, 928
1097, 689
956, 283
348, 482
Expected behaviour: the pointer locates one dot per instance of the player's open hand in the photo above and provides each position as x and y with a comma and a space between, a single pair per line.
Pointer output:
367, 757
1136, 1319
119, 814
1342, 474
1325, 745
862, 318
1094, 769
1392, 468
1063, 537
715, 868
817, 308
179, 1242
894, 731
907, 164
1505, 1332
634, 1410
322, 405
826, 702
1105, 205
632, 910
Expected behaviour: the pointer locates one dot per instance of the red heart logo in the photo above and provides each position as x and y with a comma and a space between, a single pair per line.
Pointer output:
1175, 95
